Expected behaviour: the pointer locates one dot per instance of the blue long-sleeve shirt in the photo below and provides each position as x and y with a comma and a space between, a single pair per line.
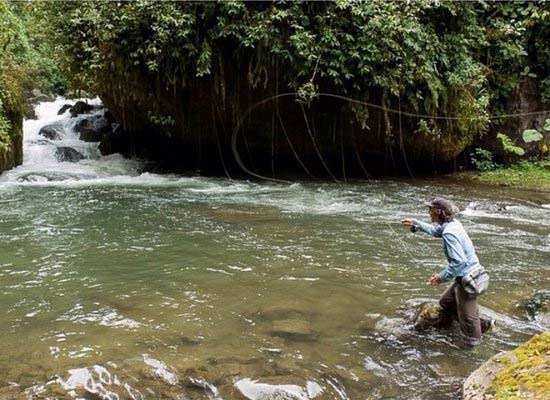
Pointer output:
457, 246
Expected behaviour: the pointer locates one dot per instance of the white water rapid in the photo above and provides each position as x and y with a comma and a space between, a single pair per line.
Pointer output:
41, 164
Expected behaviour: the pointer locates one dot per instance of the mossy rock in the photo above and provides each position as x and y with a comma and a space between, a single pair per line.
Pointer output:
428, 315
523, 373
539, 303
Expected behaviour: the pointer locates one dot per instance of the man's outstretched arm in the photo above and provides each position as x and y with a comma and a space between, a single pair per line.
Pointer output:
434, 230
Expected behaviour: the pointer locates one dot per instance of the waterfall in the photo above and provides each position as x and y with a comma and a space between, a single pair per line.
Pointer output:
45, 158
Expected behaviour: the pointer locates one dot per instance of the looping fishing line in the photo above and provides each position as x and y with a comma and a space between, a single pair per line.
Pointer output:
351, 100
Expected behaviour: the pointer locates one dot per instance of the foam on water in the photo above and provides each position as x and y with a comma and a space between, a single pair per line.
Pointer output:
255, 390
161, 370
520, 213
103, 316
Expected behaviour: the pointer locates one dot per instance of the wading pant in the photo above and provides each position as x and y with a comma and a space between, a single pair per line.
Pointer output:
457, 304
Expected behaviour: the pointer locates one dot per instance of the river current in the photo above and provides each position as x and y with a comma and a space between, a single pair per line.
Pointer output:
121, 284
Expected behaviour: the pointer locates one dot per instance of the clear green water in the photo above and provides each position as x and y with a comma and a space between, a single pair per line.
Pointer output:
173, 287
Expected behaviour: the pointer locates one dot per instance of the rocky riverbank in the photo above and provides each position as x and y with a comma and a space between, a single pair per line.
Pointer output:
523, 373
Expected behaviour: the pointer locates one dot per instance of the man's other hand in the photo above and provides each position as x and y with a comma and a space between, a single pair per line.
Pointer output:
434, 280
408, 222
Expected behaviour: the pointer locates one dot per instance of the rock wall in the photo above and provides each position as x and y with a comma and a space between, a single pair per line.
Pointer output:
191, 128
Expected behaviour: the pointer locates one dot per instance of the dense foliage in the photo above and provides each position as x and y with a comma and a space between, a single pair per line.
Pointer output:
457, 59
379, 51
25, 63
13, 45
455, 63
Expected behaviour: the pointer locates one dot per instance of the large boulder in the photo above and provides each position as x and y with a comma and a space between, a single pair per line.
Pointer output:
81, 107
52, 131
64, 108
82, 124
68, 154
91, 135
93, 129
523, 373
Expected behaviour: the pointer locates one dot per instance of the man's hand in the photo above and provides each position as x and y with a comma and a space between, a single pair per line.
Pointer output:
408, 222
434, 280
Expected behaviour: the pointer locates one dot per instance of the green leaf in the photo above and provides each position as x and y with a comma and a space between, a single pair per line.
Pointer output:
509, 146
546, 126
531, 135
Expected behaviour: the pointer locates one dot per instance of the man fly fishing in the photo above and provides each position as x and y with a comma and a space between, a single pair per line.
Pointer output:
459, 301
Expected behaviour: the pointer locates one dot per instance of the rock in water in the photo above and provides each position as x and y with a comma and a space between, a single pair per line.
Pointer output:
538, 308
63, 109
90, 135
487, 207
93, 129
428, 315
52, 131
540, 302
68, 154
81, 108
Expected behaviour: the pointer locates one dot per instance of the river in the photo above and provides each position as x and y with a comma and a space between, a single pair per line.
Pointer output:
125, 284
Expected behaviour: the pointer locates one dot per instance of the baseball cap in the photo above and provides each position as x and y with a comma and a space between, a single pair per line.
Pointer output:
442, 204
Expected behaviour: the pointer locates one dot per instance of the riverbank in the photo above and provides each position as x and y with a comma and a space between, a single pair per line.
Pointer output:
521, 373
529, 176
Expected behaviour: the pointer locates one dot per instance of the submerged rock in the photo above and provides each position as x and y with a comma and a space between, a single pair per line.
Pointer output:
487, 207
293, 329
68, 154
52, 131
47, 176
283, 309
522, 373
538, 308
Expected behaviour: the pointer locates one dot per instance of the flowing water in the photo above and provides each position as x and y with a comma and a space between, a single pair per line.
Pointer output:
122, 284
